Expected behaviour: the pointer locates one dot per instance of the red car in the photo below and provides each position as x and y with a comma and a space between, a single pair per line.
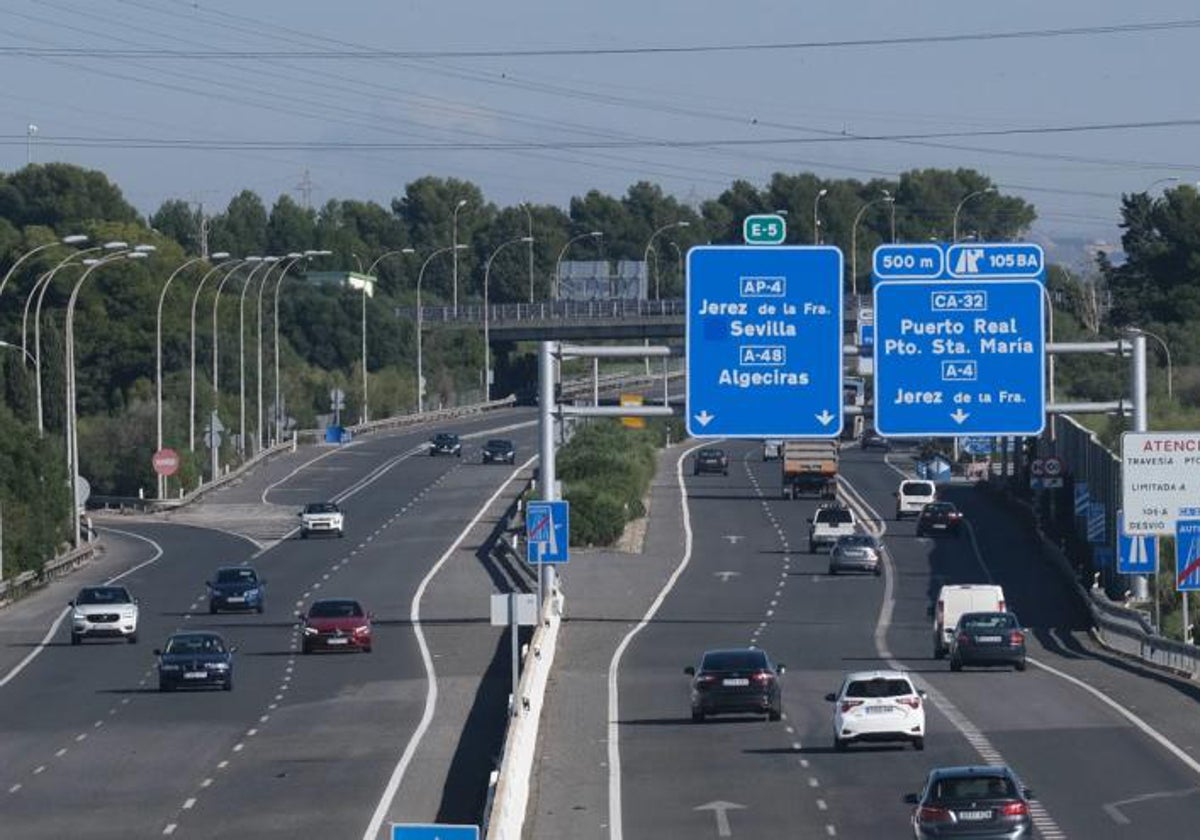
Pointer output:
336, 624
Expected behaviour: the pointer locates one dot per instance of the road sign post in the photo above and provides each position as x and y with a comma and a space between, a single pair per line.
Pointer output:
959, 339
547, 536
764, 341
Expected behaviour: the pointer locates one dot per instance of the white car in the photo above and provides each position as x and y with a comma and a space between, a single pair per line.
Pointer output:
878, 706
831, 522
321, 518
912, 495
104, 612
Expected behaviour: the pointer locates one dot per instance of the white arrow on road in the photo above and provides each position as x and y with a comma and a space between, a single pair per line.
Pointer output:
725, 576
703, 418
825, 417
721, 809
959, 415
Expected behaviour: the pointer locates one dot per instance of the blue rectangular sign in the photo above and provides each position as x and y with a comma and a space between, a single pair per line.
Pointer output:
764, 341
1187, 555
547, 532
1136, 555
866, 335
908, 262
959, 357
972, 260
429, 831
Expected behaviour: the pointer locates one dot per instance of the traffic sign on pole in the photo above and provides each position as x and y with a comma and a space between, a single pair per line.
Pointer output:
165, 462
1187, 555
764, 341
959, 358
764, 229
995, 259
1137, 555
547, 532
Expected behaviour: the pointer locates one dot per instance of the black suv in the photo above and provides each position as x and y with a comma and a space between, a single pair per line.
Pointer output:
499, 451
939, 518
871, 439
711, 460
445, 443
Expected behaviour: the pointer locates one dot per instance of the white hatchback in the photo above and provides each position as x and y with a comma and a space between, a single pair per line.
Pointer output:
878, 706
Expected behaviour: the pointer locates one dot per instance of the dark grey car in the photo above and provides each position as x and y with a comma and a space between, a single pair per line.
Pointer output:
980, 802
736, 681
856, 553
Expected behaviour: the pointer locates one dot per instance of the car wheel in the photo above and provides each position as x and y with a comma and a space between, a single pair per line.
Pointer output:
341, 533
955, 664
697, 716
918, 744
939, 652
812, 547
1020, 664
164, 686
306, 649
366, 649
839, 744
259, 609
303, 534
212, 608
228, 685
878, 571
833, 570
775, 714
131, 638
76, 639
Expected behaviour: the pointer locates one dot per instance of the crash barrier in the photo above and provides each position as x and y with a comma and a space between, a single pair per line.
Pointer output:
21, 585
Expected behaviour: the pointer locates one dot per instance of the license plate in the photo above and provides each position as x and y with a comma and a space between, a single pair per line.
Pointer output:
235, 599
735, 682
878, 710
337, 641
974, 815
988, 639
195, 675
939, 525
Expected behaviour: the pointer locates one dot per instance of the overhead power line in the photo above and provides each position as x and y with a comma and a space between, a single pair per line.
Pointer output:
559, 52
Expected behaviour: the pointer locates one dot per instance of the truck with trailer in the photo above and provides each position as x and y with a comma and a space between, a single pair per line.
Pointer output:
809, 468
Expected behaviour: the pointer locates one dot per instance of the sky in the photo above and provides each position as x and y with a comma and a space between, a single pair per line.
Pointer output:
1069, 104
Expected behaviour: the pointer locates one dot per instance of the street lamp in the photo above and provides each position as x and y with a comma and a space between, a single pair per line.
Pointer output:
18, 348
487, 350
529, 217
367, 290
263, 262
219, 255
158, 375
462, 202
1168, 180
816, 218
966, 198
216, 333
646, 251
1167, 351
854, 240
73, 239
420, 369
72, 437
594, 234
260, 435
371, 268
891, 200
678, 261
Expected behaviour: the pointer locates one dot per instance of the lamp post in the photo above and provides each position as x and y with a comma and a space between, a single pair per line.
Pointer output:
650, 241
17, 347
72, 437
73, 239
219, 255
263, 262
529, 217
216, 333
307, 255
462, 202
965, 199
816, 217
367, 288
1167, 351
854, 240
678, 261
487, 350
420, 369
891, 200
260, 435
594, 234
158, 374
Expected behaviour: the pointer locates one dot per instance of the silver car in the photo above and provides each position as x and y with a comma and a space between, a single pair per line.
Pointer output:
856, 553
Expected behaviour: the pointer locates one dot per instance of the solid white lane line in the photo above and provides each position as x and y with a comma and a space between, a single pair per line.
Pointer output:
431, 688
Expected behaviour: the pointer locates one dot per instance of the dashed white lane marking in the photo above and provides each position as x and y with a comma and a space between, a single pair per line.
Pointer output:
831, 830
40, 769
264, 718
822, 805
206, 783
238, 747
97, 724
15, 788
61, 753
797, 746
250, 733
81, 736
189, 803
124, 701
804, 762
221, 765
170, 829
812, 782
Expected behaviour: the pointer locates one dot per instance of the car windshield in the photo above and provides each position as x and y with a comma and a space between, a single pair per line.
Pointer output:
987, 621
104, 595
321, 507
734, 660
445, 438
940, 508
194, 644
240, 575
959, 788
711, 453
499, 444
835, 516
917, 488
880, 687
335, 609
856, 541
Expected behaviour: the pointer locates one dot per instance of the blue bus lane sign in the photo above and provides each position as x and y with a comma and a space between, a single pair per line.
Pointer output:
959, 357
764, 341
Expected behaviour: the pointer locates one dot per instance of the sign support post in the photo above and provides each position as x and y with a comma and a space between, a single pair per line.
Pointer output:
1141, 424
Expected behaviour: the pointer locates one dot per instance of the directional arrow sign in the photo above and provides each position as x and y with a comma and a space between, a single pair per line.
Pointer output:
764, 341
721, 810
959, 357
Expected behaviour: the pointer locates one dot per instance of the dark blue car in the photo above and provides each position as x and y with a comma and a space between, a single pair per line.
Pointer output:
195, 660
236, 588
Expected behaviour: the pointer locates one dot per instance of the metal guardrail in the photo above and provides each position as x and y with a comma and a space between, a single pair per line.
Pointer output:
21, 585
551, 310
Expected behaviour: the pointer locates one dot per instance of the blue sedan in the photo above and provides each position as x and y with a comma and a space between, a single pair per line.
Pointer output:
236, 588
195, 660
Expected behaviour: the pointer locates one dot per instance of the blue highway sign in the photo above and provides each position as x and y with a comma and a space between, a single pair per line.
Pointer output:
1136, 555
764, 341
959, 357
547, 532
995, 259
429, 831
1187, 555
908, 262
866, 335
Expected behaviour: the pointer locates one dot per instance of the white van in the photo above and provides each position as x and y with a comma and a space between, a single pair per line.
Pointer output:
953, 601
772, 449
912, 495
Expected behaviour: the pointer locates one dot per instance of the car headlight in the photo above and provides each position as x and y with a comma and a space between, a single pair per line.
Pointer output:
310, 631
366, 628
77, 616
251, 593
217, 666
